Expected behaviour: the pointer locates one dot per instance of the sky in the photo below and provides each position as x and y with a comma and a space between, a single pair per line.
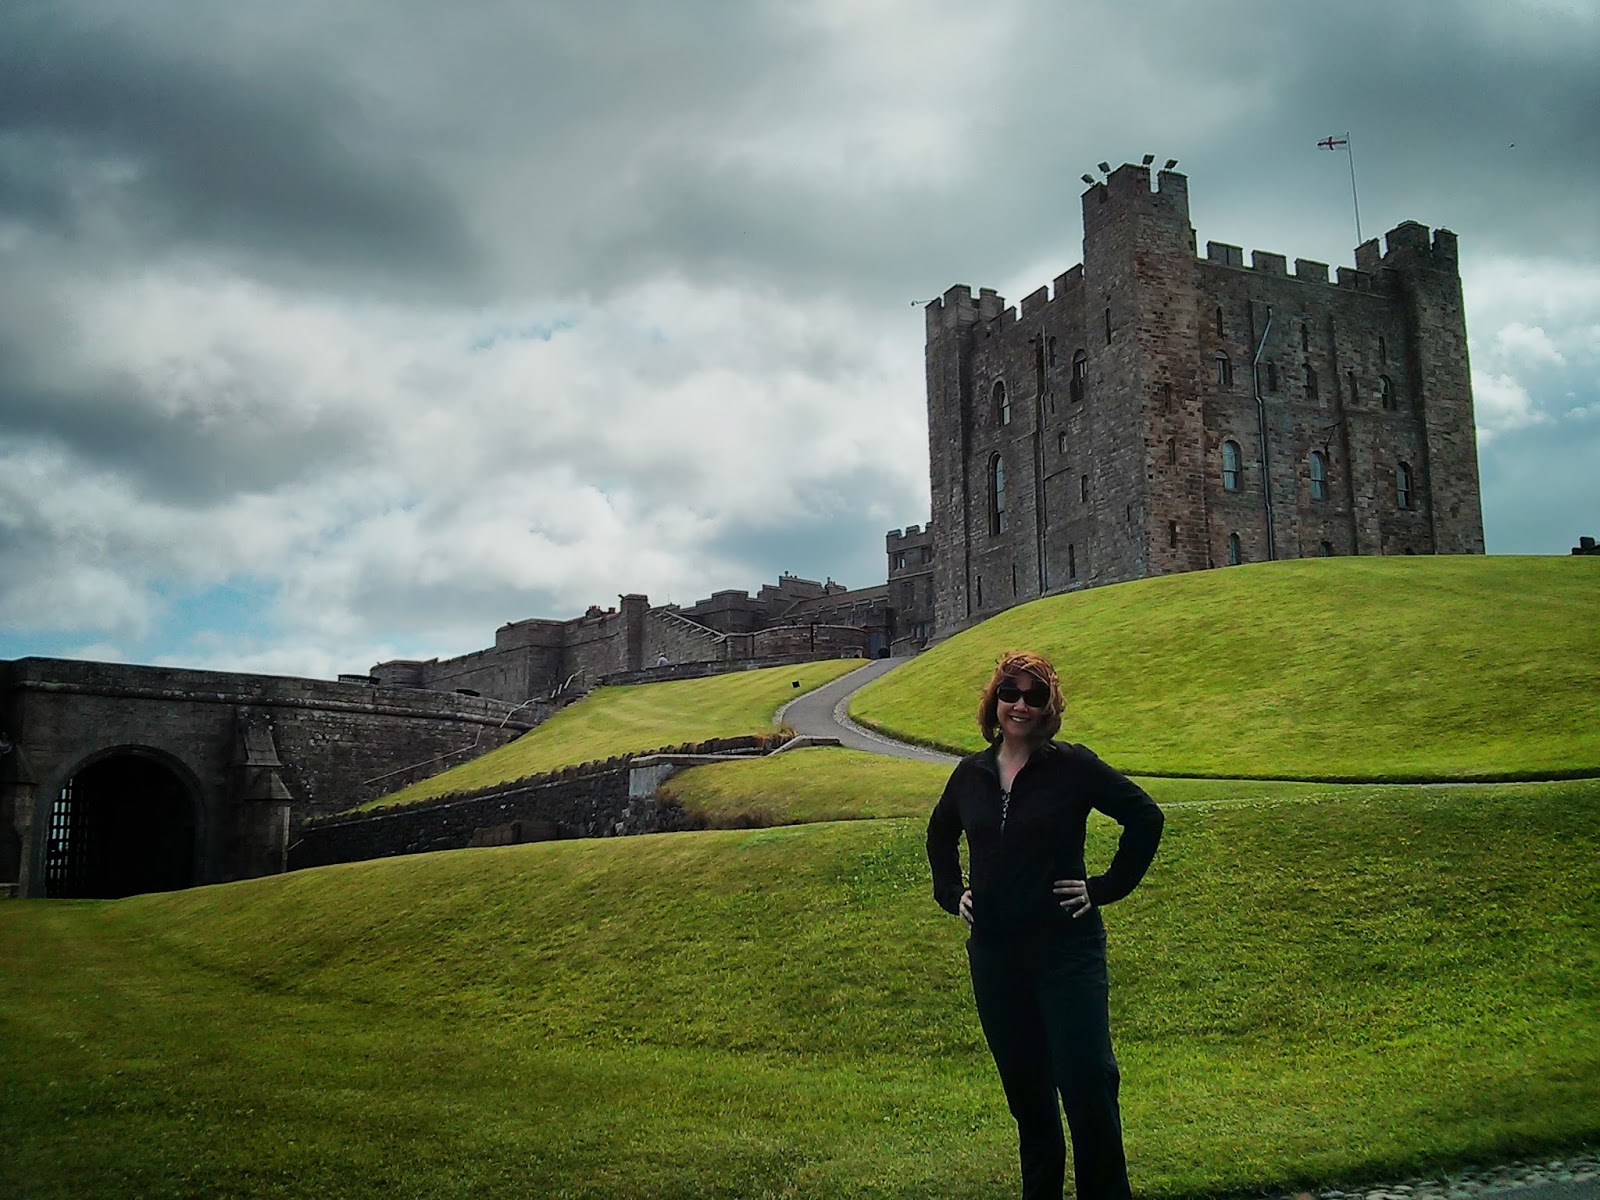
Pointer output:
335, 331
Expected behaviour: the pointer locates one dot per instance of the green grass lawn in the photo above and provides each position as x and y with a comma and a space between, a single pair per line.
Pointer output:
817, 784
1303, 991
1349, 668
628, 720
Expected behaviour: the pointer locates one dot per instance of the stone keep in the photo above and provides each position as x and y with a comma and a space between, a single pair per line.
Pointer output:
1157, 411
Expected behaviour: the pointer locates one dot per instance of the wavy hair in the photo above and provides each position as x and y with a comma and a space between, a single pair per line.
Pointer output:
1015, 663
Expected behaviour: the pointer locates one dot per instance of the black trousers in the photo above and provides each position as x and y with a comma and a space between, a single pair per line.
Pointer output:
1042, 1003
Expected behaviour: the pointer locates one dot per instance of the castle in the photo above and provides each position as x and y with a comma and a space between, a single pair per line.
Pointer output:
1159, 412
791, 620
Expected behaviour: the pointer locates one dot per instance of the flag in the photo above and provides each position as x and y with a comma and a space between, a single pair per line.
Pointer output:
1331, 143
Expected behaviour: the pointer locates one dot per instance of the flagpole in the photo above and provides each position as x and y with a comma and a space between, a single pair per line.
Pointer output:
1350, 152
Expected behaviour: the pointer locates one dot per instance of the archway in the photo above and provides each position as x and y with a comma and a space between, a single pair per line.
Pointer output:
121, 825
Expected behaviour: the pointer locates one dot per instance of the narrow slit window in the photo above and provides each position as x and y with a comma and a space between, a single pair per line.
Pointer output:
1224, 370
997, 496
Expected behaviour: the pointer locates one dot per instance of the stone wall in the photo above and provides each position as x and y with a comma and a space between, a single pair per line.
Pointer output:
801, 642
587, 801
682, 640
255, 756
595, 805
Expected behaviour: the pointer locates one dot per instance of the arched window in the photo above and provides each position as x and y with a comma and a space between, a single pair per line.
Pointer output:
1386, 392
1172, 451
1325, 550
1002, 403
1319, 475
1235, 552
997, 495
1061, 442
1311, 382
1402, 485
1232, 472
1080, 372
1224, 370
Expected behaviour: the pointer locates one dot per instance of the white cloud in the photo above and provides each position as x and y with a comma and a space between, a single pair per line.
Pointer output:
1502, 405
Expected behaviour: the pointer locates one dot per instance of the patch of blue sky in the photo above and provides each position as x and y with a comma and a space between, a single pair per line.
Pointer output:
45, 645
534, 331
240, 611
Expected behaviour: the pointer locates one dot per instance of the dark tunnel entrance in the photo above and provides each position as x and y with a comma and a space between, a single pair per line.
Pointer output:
122, 825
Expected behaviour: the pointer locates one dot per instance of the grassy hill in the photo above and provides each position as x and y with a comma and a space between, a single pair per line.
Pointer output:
816, 784
1306, 990
1349, 668
639, 717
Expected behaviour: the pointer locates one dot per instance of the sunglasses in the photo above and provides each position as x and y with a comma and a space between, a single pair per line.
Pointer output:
1037, 696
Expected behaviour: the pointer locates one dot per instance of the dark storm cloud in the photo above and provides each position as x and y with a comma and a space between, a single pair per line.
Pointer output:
138, 137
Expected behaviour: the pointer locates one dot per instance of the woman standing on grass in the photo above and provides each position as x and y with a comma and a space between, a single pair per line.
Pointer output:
1037, 949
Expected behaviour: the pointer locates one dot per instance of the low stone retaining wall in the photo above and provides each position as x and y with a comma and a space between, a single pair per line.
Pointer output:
588, 801
700, 670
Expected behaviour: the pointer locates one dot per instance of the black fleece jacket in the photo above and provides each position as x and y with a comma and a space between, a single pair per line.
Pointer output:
1014, 864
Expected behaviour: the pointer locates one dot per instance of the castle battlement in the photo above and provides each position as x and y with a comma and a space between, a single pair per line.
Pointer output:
1407, 245
1129, 187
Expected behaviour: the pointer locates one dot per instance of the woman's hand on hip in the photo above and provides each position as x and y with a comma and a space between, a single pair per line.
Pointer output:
965, 907
1073, 895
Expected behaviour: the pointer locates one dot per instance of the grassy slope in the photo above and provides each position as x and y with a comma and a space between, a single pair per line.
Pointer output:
817, 784
626, 720
1303, 991
1358, 668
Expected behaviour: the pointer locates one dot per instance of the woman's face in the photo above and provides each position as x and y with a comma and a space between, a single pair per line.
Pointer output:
1020, 704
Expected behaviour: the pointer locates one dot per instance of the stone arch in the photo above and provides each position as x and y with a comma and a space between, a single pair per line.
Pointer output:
125, 819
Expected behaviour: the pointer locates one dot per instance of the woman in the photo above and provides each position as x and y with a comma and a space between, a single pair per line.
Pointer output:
1038, 947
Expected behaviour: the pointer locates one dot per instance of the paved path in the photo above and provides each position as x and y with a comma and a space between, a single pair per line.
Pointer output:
822, 714
1574, 1176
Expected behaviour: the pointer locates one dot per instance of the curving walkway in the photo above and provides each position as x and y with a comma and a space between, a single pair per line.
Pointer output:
822, 714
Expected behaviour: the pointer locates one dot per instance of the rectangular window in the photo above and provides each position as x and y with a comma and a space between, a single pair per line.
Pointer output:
1083, 489
1072, 561
1108, 327
1172, 534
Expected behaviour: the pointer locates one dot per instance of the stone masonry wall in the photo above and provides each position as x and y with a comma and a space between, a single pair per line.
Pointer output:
587, 801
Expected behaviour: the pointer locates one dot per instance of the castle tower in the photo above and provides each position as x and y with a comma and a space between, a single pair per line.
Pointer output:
1156, 411
1145, 419
1440, 378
